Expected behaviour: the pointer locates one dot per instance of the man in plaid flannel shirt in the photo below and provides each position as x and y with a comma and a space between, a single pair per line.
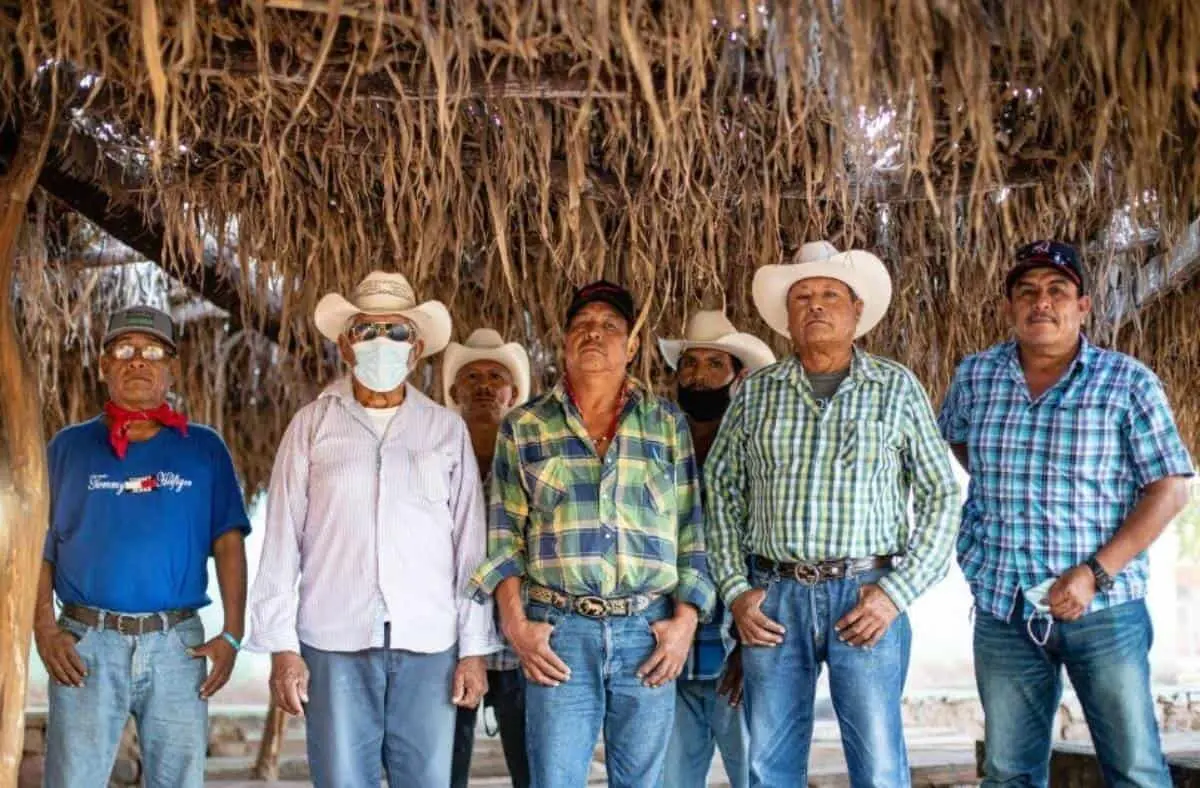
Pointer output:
482, 379
1076, 468
596, 513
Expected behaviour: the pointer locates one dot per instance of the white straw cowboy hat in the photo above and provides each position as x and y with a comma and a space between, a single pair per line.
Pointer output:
486, 344
382, 293
862, 271
710, 329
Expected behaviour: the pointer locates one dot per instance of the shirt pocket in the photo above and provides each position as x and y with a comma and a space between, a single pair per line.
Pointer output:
869, 445
424, 476
545, 485
648, 485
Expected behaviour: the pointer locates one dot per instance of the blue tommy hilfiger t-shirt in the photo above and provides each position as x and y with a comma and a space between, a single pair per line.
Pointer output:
134, 535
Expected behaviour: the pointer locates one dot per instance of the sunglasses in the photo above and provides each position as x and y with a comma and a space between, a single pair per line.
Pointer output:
124, 351
397, 332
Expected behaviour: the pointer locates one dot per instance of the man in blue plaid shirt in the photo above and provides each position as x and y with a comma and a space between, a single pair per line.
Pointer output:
1076, 468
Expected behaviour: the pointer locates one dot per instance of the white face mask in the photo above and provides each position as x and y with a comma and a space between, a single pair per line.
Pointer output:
1036, 597
381, 364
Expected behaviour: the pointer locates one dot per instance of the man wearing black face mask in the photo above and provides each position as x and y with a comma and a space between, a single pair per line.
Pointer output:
710, 360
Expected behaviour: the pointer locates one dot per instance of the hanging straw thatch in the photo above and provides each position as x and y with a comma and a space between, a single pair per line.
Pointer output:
499, 153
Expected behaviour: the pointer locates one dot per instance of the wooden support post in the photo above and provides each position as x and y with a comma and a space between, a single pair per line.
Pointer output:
267, 767
24, 497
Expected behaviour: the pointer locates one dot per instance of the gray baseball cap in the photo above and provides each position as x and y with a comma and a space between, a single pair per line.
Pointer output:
141, 320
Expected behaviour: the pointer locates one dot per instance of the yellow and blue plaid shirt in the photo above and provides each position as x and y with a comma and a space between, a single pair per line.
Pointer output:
792, 478
1054, 478
564, 518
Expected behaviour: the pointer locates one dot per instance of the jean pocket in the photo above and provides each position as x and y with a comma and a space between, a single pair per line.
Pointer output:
188, 634
76, 629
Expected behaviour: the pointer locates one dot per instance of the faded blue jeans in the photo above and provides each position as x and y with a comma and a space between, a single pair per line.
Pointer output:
562, 723
865, 685
376, 710
149, 676
704, 722
1106, 656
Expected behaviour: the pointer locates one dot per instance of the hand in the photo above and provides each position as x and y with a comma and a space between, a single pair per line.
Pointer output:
674, 636
531, 642
1072, 593
732, 678
869, 620
223, 655
470, 682
289, 681
754, 628
56, 647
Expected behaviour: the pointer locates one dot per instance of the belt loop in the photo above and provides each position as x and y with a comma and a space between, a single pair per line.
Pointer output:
101, 619
165, 621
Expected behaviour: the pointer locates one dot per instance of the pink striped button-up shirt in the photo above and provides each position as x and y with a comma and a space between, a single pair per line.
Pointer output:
362, 527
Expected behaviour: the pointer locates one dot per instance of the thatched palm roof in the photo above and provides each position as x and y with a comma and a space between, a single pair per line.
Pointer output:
499, 153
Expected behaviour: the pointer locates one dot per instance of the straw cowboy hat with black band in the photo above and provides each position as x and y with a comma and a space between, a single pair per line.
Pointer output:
381, 293
710, 329
862, 272
486, 344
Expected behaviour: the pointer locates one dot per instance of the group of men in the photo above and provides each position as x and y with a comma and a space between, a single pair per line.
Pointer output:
671, 576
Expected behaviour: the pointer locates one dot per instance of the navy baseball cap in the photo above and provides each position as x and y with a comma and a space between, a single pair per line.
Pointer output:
607, 293
141, 320
1048, 254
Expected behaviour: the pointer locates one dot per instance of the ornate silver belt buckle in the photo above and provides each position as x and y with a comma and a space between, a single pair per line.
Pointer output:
807, 574
591, 606
129, 625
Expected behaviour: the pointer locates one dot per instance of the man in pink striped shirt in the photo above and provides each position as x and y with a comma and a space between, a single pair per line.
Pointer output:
375, 521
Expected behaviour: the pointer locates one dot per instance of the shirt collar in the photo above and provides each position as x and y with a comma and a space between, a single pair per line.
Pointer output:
341, 389
863, 367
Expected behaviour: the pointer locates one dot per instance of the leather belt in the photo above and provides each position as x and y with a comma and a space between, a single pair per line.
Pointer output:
813, 572
127, 625
591, 606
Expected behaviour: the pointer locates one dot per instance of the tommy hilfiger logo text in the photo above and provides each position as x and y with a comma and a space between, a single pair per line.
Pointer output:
136, 485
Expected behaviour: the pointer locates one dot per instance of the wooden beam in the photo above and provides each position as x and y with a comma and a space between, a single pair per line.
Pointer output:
1133, 288
24, 494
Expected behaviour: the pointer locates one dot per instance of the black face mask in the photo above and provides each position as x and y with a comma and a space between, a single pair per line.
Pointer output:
704, 404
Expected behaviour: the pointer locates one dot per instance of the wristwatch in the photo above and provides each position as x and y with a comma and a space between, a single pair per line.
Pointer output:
1104, 581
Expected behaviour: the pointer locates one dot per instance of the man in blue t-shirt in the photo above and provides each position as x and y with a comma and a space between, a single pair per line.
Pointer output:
139, 499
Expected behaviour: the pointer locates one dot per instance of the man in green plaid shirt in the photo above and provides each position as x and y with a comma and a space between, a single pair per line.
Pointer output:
809, 487
596, 513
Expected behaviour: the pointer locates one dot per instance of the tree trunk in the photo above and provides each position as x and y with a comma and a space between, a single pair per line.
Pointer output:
24, 497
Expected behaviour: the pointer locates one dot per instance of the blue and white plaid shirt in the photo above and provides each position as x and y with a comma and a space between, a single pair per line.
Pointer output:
1052, 479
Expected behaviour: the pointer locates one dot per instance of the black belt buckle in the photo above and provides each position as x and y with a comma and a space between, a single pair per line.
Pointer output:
807, 574
591, 606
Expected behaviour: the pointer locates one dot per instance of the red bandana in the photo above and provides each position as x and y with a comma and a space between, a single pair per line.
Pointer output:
120, 419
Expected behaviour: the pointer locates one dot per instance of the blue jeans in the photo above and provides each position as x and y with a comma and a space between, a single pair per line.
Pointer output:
563, 722
1106, 655
149, 676
379, 709
705, 721
506, 695
865, 684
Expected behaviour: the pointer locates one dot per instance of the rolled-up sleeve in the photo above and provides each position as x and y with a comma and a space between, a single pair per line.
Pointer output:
725, 518
1155, 447
695, 585
274, 598
936, 499
476, 629
507, 519
952, 419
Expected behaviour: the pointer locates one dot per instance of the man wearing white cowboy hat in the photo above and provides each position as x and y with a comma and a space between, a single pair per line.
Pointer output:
709, 361
809, 484
483, 379
375, 507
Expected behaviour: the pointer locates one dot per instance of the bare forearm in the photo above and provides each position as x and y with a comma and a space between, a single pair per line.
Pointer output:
1159, 504
43, 615
229, 552
510, 603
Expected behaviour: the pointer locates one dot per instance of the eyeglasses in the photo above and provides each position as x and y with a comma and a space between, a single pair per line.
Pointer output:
124, 351
397, 332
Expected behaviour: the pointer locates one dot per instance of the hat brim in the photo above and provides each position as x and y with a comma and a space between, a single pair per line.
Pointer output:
116, 334
866, 276
511, 356
431, 318
747, 348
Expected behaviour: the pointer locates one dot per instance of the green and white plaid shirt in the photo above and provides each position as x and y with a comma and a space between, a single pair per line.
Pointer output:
793, 479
